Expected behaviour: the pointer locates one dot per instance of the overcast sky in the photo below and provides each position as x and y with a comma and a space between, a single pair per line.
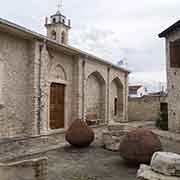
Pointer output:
112, 29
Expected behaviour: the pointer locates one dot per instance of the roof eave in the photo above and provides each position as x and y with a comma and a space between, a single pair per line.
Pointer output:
28, 34
170, 29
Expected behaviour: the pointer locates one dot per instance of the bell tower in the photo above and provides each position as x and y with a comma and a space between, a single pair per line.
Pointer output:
58, 27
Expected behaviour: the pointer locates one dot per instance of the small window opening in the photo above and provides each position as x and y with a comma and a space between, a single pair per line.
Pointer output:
115, 106
53, 35
54, 20
63, 37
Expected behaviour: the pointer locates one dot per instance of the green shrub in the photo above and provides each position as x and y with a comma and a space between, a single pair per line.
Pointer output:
162, 121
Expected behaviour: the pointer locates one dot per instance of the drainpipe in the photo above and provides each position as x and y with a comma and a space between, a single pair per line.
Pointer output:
83, 90
39, 91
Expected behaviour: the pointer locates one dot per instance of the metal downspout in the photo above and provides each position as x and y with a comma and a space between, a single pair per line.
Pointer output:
39, 91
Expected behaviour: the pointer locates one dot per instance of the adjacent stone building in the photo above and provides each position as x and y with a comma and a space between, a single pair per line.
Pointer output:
45, 84
172, 37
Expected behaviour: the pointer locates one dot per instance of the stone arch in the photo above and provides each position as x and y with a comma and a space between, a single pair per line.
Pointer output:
95, 98
116, 100
57, 73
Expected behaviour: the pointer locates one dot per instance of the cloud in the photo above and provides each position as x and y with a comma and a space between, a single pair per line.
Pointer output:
113, 29
105, 43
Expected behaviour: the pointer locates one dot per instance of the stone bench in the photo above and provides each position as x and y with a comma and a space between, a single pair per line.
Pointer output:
32, 169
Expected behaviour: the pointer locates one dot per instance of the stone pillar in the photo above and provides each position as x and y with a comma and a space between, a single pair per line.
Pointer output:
39, 56
41, 59
44, 89
35, 58
84, 91
77, 85
126, 89
108, 96
1, 82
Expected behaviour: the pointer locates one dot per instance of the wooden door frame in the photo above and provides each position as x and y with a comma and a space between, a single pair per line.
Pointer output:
65, 105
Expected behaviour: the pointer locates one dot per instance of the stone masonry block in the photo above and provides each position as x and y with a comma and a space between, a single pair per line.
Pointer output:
33, 169
166, 163
146, 173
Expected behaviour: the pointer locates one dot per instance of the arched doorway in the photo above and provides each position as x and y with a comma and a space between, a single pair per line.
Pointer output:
95, 94
116, 100
57, 97
57, 92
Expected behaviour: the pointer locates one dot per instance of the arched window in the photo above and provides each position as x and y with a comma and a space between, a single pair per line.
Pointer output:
53, 35
63, 37
115, 105
54, 20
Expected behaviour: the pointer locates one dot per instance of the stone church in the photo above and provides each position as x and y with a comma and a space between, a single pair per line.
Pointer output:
45, 84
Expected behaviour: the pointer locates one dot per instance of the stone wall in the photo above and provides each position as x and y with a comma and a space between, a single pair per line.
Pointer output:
16, 86
173, 87
29, 68
33, 169
143, 109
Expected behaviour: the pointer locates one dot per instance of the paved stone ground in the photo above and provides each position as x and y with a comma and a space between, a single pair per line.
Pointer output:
93, 163
67, 163
12, 149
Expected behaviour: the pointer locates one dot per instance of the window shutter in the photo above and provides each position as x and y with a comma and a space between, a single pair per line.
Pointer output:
175, 54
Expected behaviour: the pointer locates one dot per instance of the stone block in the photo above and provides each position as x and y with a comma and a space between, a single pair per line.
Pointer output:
166, 163
112, 139
33, 169
116, 127
146, 173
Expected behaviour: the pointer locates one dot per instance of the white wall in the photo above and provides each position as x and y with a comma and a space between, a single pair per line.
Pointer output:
140, 92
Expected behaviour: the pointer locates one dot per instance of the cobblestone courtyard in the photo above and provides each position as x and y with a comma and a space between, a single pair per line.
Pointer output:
68, 163
93, 163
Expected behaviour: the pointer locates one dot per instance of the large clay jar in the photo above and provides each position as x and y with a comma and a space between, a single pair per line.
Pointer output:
79, 134
138, 146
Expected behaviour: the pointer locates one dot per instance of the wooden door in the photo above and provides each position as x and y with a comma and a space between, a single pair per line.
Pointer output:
57, 106
164, 107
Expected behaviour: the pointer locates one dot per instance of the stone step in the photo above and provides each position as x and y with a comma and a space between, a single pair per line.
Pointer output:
10, 150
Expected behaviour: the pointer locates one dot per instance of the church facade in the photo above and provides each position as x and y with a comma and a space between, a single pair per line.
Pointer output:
45, 84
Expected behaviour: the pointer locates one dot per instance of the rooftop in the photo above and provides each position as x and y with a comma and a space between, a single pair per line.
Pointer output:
134, 87
174, 27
